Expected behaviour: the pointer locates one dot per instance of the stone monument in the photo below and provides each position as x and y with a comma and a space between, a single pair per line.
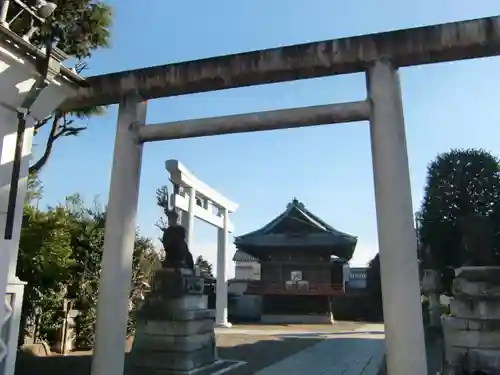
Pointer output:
66, 334
431, 288
174, 327
472, 331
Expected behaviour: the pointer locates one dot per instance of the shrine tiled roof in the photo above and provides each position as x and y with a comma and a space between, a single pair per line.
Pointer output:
297, 227
241, 256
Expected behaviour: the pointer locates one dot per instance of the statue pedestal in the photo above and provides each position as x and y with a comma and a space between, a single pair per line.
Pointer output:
174, 329
472, 332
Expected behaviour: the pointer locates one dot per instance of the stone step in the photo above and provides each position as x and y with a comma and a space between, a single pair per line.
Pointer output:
181, 316
475, 289
475, 309
464, 324
472, 339
156, 308
142, 363
473, 359
177, 328
489, 274
172, 343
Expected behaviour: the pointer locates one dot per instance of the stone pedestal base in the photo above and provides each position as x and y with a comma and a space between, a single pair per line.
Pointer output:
472, 333
174, 331
297, 319
224, 325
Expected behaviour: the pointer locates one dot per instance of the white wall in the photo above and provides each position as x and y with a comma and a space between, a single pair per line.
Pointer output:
247, 271
18, 74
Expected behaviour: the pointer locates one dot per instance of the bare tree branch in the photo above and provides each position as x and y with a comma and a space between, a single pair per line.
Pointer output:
48, 148
162, 198
160, 224
41, 123
61, 127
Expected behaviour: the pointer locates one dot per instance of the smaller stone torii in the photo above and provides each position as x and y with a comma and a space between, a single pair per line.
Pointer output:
195, 199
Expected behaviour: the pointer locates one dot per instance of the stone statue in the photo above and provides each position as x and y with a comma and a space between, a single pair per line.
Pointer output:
177, 254
174, 244
478, 236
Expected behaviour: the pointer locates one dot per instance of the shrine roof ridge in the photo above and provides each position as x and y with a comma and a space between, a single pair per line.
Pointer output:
241, 256
326, 235
314, 240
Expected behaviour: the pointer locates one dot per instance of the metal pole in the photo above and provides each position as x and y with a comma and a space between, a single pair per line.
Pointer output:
259, 121
14, 180
119, 237
405, 345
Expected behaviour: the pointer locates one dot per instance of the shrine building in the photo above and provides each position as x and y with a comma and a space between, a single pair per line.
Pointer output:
303, 264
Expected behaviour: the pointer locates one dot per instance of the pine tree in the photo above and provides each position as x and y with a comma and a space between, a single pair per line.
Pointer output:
84, 27
204, 266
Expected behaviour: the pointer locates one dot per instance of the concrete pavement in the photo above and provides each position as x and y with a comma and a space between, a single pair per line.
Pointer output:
356, 351
357, 354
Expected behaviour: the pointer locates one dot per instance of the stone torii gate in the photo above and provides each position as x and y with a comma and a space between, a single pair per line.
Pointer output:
196, 199
380, 56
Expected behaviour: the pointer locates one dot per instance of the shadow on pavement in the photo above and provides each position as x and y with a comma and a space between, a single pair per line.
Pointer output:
259, 352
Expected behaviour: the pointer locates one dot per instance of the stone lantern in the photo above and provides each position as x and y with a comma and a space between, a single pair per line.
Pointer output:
431, 288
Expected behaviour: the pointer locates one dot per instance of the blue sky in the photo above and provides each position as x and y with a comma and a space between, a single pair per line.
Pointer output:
446, 106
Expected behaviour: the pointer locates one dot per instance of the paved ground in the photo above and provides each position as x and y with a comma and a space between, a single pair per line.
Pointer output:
354, 355
344, 348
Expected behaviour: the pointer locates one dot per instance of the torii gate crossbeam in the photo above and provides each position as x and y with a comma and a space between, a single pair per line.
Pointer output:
407, 47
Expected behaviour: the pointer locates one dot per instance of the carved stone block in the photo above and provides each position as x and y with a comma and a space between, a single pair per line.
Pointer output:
172, 343
169, 283
475, 309
174, 328
472, 333
167, 309
177, 327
